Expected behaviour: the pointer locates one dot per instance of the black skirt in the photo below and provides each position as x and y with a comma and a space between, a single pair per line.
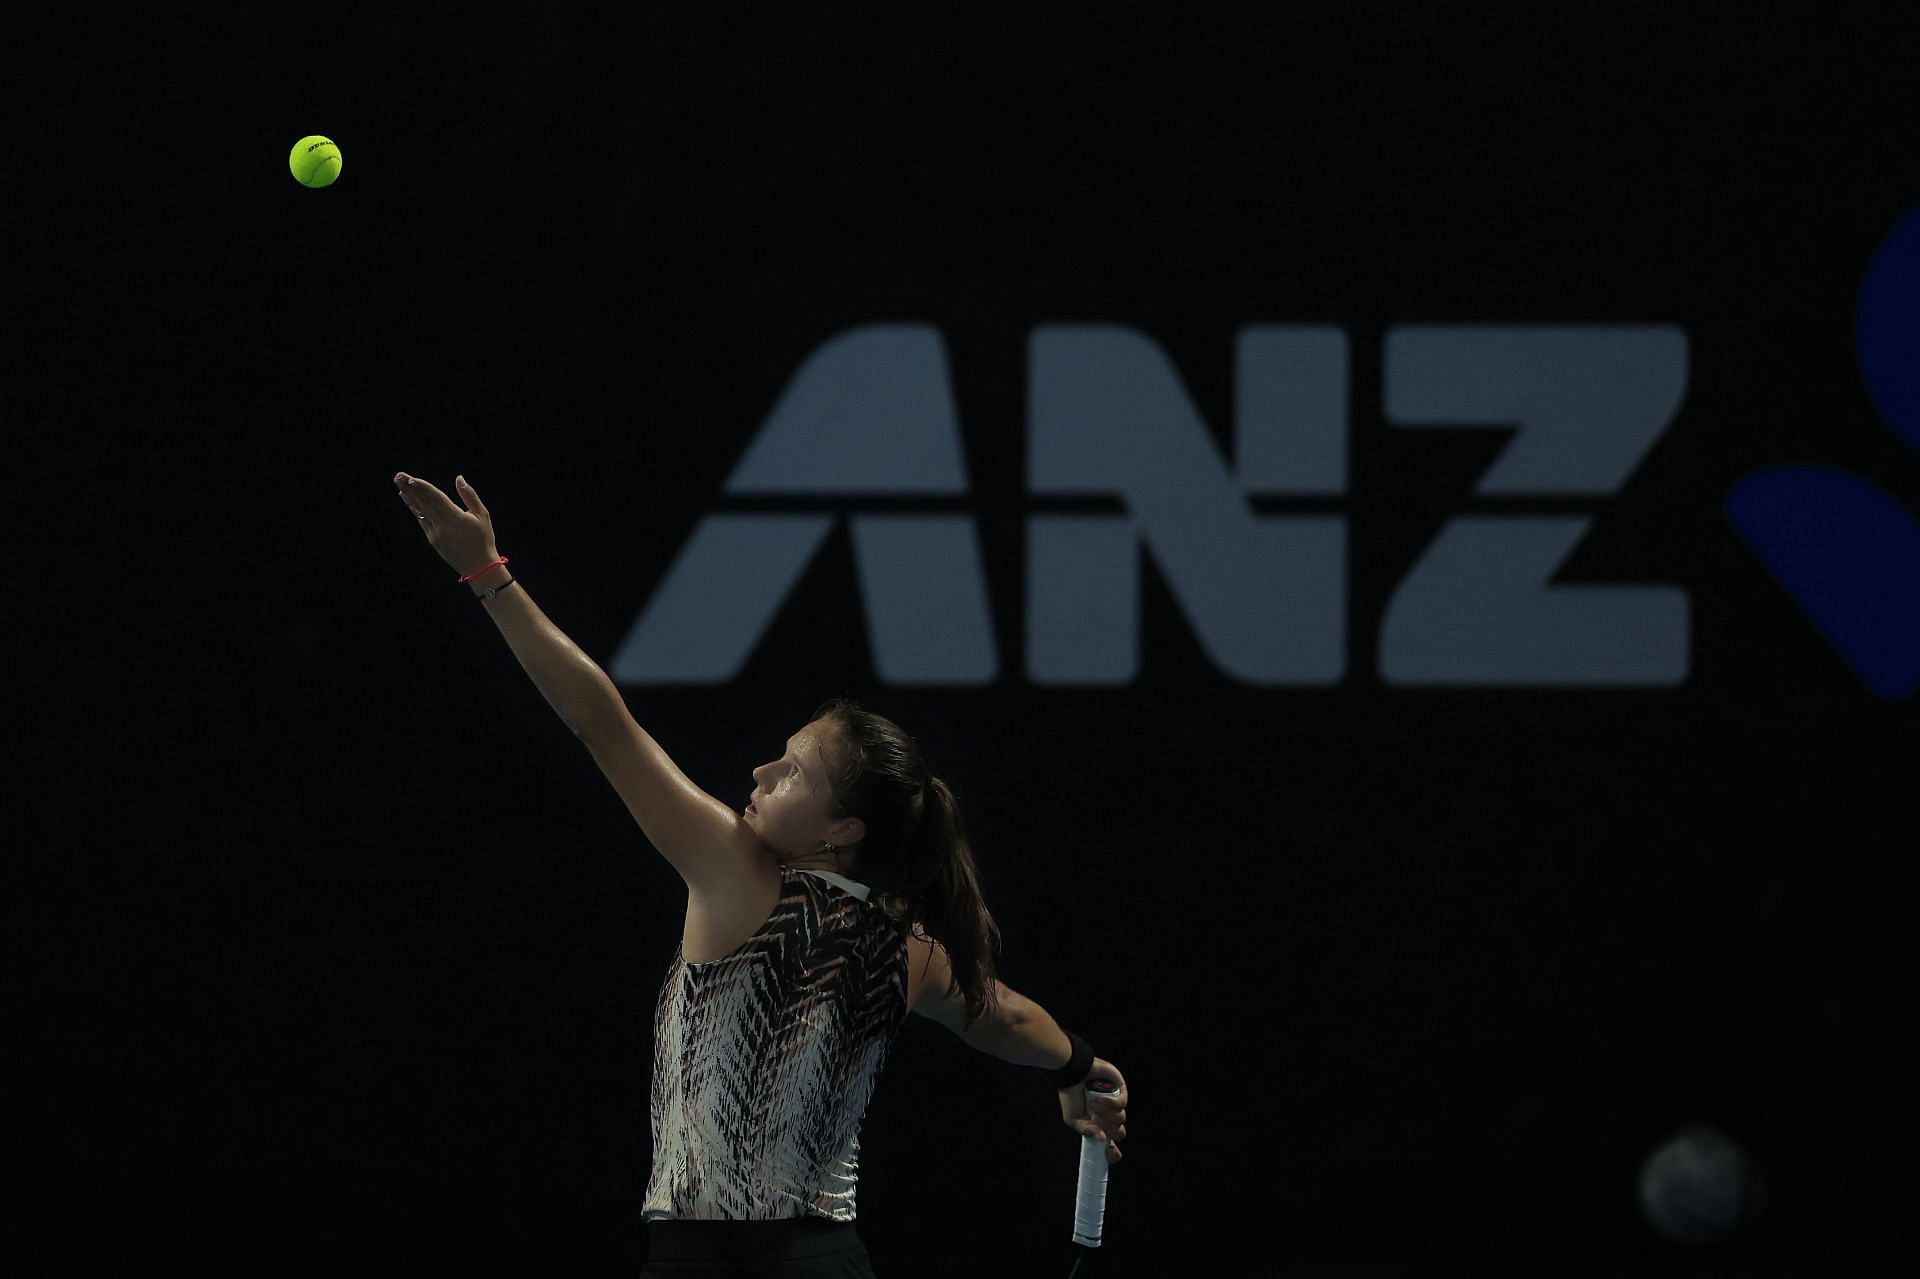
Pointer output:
791, 1248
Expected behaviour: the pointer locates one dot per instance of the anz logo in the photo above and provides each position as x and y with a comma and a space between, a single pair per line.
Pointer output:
871, 414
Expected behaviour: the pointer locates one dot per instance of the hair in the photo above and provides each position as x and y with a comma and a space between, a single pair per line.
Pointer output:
915, 854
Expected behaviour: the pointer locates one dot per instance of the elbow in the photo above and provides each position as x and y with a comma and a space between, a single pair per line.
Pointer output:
1008, 1003
1000, 1018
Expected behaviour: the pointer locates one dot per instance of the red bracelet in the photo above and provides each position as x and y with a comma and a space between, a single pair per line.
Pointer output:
488, 569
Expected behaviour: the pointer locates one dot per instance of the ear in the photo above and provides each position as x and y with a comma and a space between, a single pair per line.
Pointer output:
850, 831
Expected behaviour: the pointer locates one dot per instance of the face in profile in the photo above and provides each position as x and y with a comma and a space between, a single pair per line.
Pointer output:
792, 806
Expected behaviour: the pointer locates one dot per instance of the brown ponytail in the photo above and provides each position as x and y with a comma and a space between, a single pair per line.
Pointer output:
915, 854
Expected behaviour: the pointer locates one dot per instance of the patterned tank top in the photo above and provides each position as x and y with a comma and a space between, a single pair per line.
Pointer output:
764, 1060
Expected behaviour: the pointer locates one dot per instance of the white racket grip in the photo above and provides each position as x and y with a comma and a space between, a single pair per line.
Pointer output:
1090, 1204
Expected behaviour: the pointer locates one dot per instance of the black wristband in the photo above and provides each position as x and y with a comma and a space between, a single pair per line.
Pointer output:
1078, 1066
492, 591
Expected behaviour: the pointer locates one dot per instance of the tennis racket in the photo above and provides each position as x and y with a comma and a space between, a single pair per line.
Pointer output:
1090, 1199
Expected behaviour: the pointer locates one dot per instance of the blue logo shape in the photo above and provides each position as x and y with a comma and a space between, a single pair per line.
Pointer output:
1843, 548
1890, 329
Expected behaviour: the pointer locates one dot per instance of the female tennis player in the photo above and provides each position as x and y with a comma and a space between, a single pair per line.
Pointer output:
842, 896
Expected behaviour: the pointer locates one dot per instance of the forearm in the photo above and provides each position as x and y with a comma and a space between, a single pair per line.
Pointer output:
1023, 1033
573, 683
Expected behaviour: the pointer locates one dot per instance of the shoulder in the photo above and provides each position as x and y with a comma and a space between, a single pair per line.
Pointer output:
741, 870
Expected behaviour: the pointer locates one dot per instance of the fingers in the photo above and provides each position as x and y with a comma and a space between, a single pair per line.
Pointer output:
424, 497
1107, 1112
426, 501
415, 488
409, 493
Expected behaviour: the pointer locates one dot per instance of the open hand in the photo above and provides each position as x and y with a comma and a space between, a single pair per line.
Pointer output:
1107, 1118
464, 538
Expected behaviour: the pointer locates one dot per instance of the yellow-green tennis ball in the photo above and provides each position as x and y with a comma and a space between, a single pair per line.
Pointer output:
315, 161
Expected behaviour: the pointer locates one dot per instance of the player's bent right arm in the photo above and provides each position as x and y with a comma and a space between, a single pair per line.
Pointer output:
1017, 1030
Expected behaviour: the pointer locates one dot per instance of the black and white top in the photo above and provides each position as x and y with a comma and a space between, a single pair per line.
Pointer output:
764, 1060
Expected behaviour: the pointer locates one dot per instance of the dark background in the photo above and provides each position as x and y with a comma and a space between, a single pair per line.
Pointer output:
340, 952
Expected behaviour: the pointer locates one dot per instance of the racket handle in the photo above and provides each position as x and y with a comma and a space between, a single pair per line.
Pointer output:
1090, 1203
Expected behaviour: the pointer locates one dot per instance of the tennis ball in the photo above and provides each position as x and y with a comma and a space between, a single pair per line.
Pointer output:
315, 161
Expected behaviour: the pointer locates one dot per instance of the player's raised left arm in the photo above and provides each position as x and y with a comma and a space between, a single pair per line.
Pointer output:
714, 851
